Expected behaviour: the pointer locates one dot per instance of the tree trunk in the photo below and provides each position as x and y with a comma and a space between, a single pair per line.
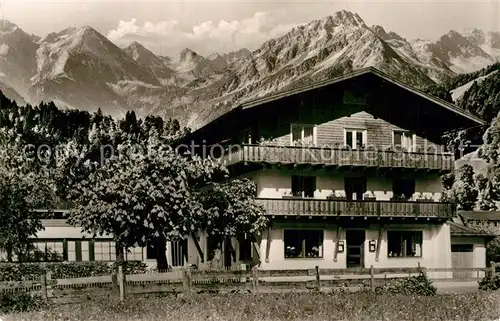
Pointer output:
120, 257
119, 261
9, 253
161, 254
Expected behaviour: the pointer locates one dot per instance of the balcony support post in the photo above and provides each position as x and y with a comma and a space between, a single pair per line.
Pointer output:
256, 247
198, 247
337, 239
268, 244
379, 240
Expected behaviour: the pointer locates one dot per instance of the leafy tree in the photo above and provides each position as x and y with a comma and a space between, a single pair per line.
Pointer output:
464, 188
489, 185
488, 192
25, 185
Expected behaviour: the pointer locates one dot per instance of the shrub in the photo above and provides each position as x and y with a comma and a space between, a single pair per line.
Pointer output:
30, 271
133, 267
490, 284
19, 302
415, 285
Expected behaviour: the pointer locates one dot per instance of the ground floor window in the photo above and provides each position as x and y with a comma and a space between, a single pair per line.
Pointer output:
404, 243
134, 254
45, 250
303, 243
177, 252
104, 251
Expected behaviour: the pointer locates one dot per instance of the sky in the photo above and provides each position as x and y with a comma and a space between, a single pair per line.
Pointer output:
167, 27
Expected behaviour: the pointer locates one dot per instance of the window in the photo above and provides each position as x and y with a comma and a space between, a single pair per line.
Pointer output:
355, 187
303, 243
403, 139
403, 188
404, 243
303, 134
245, 248
85, 251
134, 254
177, 252
104, 251
49, 250
303, 186
355, 138
356, 99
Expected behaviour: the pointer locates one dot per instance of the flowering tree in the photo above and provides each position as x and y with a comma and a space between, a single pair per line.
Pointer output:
231, 210
148, 194
25, 185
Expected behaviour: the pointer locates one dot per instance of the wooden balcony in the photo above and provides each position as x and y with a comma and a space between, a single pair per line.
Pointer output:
438, 161
328, 207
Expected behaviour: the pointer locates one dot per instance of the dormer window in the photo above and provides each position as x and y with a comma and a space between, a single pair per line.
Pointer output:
354, 138
403, 139
303, 135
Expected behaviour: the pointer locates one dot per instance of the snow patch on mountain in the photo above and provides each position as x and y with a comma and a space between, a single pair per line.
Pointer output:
466, 65
458, 92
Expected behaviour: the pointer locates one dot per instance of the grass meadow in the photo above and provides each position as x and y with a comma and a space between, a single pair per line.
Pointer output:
484, 306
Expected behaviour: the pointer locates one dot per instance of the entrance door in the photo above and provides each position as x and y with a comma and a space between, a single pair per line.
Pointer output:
462, 256
355, 240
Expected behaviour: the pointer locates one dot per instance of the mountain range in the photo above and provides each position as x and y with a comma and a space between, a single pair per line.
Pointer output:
81, 68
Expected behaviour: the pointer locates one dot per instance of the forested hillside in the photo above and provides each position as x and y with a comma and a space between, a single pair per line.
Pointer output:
477, 92
57, 135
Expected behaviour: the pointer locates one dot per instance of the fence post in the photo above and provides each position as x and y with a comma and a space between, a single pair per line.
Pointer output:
419, 268
372, 278
492, 270
43, 282
186, 280
121, 282
255, 279
318, 281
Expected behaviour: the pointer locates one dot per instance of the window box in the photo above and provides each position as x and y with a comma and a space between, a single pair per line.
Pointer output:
334, 197
292, 197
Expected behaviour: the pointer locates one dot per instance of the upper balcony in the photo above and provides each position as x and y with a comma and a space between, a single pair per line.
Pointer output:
342, 157
346, 208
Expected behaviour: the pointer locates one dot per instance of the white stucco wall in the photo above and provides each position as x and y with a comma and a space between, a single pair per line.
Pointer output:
436, 249
273, 183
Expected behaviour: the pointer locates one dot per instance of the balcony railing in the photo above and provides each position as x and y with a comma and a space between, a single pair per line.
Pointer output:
340, 157
316, 207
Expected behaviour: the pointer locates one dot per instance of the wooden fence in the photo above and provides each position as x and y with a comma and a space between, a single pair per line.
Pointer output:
242, 280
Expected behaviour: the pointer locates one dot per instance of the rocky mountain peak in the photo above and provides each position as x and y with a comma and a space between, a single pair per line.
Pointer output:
188, 55
7, 26
348, 18
384, 35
